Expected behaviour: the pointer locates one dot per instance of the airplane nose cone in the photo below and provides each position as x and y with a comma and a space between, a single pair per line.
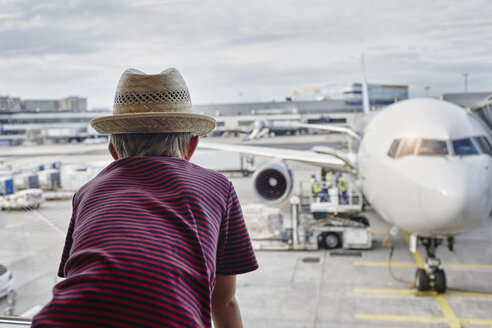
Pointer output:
455, 197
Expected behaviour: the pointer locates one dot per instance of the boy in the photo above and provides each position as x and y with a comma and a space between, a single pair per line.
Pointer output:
154, 240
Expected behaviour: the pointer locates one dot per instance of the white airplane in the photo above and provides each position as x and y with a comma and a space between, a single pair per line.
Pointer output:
424, 165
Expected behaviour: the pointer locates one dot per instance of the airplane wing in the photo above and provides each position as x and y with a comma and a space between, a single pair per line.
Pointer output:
332, 128
326, 127
326, 160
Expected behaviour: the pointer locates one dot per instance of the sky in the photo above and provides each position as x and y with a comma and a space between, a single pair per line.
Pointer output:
242, 50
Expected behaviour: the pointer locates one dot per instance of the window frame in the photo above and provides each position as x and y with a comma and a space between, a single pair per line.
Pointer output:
403, 143
445, 141
397, 150
477, 149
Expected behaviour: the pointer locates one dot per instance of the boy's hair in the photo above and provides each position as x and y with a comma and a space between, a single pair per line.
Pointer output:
151, 144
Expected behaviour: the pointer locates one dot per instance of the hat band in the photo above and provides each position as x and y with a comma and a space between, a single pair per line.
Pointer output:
151, 97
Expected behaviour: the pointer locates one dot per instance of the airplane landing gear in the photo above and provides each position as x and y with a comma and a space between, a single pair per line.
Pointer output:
433, 273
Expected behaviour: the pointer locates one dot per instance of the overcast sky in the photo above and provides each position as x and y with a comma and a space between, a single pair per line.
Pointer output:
231, 51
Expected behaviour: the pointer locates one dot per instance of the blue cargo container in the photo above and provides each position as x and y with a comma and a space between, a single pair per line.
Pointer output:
33, 181
6, 186
55, 180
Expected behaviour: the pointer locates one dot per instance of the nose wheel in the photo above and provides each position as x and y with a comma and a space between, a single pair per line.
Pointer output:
439, 281
434, 275
424, 281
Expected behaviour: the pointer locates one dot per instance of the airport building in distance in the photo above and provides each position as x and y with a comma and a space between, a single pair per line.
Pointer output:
68, 119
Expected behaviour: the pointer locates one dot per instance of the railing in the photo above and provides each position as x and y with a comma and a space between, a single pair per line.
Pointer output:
6, 321
354, 196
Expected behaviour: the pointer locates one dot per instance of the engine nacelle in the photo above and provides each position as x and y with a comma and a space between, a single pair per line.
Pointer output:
273, 181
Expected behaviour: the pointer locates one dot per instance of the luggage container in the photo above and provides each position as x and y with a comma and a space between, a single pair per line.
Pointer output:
26, 181
23, 200
49, 179
6, 186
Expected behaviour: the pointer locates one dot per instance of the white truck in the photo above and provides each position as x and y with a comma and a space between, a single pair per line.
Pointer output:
319, 221
22, 200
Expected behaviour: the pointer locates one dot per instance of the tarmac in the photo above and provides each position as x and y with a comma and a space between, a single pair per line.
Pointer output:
291, 288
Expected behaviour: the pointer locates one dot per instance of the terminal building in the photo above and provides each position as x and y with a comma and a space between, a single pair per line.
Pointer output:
351, 93
67, 120
72, 103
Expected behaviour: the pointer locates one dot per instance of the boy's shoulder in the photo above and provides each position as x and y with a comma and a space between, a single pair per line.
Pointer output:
148, 166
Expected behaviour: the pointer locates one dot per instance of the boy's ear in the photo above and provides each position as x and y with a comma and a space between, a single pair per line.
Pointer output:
113, 152
191, 147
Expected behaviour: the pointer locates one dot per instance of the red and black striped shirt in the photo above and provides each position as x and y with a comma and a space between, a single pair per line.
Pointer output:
146, 239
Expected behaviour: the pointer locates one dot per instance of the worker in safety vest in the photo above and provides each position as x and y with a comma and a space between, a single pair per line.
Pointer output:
342, 187
317, 190
331, 179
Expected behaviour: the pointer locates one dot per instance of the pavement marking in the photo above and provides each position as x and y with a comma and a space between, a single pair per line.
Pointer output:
380, 232
406, 318
399, 318
414, 292
449, 316
447, 311
443, 304
459, 266
478, 322
373, 291
385, 264
48, 221
453, 266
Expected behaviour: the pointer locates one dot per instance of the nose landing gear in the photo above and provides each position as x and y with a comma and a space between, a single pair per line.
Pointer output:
433, 275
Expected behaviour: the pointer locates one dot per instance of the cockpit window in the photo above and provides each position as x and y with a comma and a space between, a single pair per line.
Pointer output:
394, 148
408, 147
433, 147
484, 144
464, 147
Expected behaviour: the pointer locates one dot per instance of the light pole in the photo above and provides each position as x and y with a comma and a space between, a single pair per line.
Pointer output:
465, 75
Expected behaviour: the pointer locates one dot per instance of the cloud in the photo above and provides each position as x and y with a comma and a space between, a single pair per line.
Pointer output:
262, 49
14, 15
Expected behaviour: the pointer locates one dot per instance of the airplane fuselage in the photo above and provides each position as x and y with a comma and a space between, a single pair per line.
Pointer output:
425, 167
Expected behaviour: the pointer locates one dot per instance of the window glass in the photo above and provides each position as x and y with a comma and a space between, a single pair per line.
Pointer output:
464, 147
433, 147
408, 147
484, 144
394, 148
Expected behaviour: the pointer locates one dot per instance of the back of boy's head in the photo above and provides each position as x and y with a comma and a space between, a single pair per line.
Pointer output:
151, 144
152, 116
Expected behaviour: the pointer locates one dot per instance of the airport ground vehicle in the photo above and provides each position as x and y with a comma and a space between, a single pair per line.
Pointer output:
319, 222
326, 222
24, 199
6, 281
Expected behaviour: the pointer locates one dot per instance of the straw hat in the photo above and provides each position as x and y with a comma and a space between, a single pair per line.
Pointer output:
153, 103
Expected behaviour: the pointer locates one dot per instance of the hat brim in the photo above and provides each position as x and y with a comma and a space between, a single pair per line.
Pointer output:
196, 124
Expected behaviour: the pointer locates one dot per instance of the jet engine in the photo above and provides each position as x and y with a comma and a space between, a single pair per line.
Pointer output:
273, 181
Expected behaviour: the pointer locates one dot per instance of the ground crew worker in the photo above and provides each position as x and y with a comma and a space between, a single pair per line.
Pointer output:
342, 187
317, 190
330, 179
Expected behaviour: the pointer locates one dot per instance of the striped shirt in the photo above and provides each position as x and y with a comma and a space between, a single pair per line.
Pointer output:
147, 237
